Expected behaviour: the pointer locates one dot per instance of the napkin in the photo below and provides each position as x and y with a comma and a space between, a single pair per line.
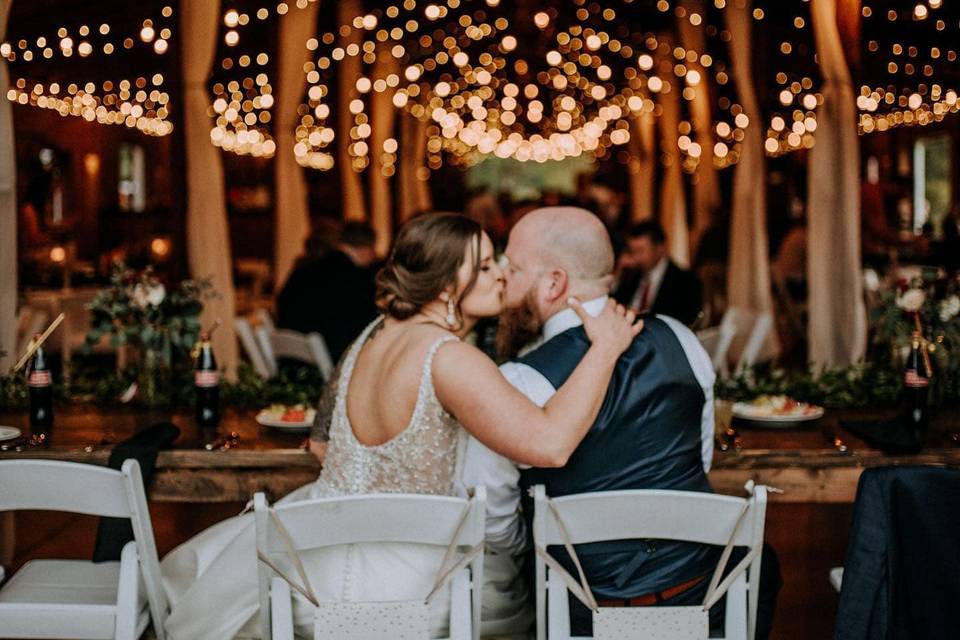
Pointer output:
114, 533
890, 436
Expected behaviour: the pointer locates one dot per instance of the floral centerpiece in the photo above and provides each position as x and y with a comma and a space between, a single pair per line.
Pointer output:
930, 304
160, 321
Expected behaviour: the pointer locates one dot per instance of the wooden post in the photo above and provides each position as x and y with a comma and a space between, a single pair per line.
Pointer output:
848, 22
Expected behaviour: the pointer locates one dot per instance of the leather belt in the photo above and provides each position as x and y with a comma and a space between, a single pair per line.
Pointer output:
650, 599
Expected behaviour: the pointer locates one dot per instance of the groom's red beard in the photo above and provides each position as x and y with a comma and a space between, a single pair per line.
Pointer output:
517, 328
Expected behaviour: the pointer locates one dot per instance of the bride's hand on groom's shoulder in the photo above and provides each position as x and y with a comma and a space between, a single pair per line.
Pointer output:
613, 330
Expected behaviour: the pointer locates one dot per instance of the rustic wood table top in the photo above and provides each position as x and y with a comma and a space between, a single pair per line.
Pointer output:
818, 461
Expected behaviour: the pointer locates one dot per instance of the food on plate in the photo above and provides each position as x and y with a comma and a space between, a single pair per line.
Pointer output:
778, 406
285, 413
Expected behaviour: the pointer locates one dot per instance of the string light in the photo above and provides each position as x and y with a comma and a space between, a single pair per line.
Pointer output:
131, 105
467, 71
154, 33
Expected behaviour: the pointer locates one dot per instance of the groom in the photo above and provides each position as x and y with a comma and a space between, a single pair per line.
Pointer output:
655, 430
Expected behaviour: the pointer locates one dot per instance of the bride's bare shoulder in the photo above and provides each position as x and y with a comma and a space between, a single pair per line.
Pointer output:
459, 357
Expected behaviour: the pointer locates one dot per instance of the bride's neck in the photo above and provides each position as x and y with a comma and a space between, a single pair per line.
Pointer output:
437, 314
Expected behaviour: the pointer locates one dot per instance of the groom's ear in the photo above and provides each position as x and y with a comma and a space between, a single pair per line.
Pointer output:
559, 285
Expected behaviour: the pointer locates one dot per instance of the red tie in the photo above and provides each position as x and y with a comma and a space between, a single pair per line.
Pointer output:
640, 301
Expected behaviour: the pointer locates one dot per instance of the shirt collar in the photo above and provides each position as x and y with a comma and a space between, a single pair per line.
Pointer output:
568, 318
657, 273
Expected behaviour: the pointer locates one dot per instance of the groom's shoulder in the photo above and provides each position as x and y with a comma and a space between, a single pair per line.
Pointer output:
572, 341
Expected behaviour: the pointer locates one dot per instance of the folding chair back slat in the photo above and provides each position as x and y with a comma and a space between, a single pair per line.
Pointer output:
62, 486
656, 514
400, 518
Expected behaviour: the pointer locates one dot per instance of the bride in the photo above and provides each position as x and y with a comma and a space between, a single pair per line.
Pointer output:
405, 388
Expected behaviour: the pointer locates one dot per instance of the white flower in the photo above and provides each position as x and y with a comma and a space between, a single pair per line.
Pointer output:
152, 295
911, 300
949, 308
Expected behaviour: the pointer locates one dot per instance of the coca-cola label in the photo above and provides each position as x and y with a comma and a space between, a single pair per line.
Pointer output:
206, 378
40, 379
914, 379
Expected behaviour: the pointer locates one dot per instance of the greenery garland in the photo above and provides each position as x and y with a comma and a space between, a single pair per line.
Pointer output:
858, 386
854, 387
293, 385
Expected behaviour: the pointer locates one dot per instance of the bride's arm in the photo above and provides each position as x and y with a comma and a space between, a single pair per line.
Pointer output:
472, 388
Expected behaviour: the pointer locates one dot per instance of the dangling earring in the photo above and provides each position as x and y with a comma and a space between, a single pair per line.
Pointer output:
451, 313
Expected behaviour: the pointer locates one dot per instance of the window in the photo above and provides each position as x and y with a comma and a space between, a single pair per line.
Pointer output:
932, 190
132, 185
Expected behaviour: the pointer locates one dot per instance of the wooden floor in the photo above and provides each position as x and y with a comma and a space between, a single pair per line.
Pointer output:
810, 539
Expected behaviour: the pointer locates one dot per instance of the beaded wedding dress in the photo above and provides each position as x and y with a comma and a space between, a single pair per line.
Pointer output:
211, 580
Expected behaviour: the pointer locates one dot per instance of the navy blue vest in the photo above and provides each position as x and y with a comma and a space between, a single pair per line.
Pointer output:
647, 436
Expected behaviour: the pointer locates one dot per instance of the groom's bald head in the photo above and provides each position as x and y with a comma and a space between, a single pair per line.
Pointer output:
569, 238
553, 253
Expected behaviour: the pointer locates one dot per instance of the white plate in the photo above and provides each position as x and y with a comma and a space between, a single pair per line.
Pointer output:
746, 411
304, 425
9, 433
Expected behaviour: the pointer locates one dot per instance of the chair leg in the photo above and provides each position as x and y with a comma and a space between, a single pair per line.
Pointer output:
128, 594
281, 611
461, 615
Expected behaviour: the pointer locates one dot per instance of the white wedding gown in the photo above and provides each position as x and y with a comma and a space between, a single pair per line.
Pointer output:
211, 580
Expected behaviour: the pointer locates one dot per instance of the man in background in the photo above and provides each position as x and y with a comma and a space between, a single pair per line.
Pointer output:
651, 282
331, 292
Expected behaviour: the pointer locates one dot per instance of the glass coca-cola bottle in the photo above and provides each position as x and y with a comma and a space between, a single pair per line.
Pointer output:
914, 400
40, 384
207, 385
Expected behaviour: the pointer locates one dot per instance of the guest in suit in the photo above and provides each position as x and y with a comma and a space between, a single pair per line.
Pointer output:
655, 427
651, 282
332, 293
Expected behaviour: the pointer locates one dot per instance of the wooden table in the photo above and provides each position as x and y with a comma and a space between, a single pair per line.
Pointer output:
802, 462
807, 524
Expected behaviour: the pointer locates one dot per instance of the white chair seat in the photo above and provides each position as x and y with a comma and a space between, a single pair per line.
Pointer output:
62, 593
64, 582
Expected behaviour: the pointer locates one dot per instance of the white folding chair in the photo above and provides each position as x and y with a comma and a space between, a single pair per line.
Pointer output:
79, 598
264, 319
762, 324
716, 342
743, 335
250, 347
706, 518
405, 518
305, 347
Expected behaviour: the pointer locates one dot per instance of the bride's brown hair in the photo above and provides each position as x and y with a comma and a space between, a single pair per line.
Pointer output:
425, 259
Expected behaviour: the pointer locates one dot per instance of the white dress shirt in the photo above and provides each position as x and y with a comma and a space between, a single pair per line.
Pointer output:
653, 279
501, 476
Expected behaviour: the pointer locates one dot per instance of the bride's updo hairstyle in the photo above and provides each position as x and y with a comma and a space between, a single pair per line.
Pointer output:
428, 253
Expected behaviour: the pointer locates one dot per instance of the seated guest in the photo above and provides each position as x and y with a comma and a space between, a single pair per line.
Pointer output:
332, 293
655, 428
651, 282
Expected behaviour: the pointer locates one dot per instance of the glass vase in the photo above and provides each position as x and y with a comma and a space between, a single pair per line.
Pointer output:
155, 376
